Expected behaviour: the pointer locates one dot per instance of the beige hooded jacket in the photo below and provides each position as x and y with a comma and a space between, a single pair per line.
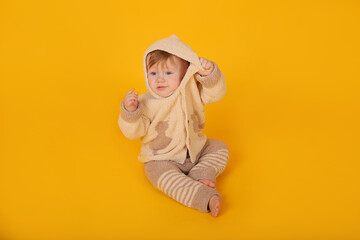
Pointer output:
170, 126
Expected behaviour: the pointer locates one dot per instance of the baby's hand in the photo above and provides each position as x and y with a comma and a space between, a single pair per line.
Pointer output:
131, 100
207, 65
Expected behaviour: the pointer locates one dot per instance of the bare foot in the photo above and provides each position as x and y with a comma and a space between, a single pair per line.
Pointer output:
208, 183
214, 205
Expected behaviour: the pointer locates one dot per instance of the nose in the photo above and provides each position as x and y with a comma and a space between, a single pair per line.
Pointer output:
160, 78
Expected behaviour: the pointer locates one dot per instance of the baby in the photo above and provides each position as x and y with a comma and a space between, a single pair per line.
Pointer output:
178, 158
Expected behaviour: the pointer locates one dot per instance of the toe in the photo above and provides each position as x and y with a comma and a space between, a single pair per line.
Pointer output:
215, 204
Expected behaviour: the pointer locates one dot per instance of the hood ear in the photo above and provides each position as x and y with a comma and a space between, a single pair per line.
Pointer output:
174, 37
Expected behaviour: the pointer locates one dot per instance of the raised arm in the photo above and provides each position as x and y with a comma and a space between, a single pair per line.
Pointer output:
212, 87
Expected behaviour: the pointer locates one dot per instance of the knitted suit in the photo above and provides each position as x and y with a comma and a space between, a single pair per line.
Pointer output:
174, 151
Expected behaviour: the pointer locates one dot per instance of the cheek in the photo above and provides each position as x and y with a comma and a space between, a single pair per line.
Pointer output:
151, 82
175, 82
150, 78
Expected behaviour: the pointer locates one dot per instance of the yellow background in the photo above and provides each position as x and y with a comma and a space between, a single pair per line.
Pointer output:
290, 118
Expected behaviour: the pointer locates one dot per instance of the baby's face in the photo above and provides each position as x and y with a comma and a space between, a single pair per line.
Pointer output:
165, 77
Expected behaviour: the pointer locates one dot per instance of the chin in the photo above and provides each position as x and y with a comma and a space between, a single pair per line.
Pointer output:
165, 95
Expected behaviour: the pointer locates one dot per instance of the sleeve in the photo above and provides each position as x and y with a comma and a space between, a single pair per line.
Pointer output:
212, 88
133, 124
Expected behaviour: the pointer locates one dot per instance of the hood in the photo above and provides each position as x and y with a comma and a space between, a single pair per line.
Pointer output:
175, 46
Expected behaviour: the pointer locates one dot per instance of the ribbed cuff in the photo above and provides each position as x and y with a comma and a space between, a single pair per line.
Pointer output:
131, 116
211, 79
202, 198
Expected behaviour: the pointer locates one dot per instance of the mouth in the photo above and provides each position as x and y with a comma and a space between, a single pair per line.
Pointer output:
161, 87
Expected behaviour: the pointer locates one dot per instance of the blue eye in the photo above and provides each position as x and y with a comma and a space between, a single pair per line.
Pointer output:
153, 73
168, 73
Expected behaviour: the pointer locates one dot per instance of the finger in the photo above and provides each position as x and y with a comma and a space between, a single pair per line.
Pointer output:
132, 98
205, 64
131, 95
136, 93
211, 67
128, 100
208, 65
131, 90
134, 103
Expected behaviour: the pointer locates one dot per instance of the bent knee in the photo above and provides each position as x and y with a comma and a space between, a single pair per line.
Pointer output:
154, 169
214, 145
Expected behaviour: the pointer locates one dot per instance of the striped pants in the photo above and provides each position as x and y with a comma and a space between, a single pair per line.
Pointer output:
180, 181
